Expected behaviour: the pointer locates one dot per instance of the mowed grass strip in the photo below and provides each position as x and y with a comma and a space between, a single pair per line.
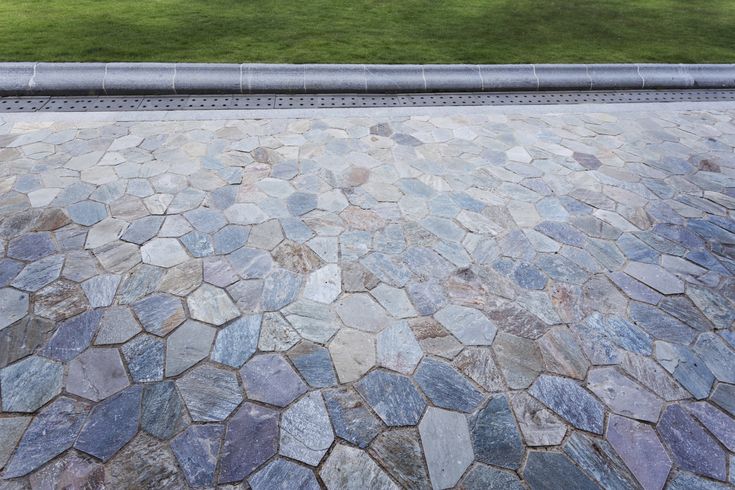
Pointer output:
369, 31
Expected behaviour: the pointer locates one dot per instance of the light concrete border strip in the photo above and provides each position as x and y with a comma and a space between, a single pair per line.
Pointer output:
205, 78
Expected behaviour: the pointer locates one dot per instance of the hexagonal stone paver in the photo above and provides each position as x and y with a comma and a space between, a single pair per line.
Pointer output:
211, 305
100, 290
52, 432
187, 345
469, 325
393, 397
270, 379
239, 456
398, 349
623, 396
73, 336
399, 452
87, 213
351, 418
163, 410
144, 463
282, 473
210, 393
640, 449
655, 276
324, 285
237, 341
447, 447
570, 401
353, 354
539, 426
197, 451
312, 361
348, 468
360, 311
14, 305
447, 388
495, 438
39, 274
144, 357
117, 326
160, 313
29, 384
163, 252
306, 433
543, 468
111, 424
31, 247
96, 374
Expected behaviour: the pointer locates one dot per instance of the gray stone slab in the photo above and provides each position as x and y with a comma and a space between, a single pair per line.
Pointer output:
140, 78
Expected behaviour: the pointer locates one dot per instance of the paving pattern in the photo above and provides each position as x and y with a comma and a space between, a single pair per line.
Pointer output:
474, 301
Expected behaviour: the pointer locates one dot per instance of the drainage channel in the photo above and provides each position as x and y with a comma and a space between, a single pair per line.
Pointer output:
254, 102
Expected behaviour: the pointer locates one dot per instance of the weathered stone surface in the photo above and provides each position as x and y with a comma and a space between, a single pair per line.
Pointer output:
433, 338
650, 374
495, 438
187, 345
73, 336
210, 393
239, 456
552, 470
117, 326
280, 288
314, 364
111, 424
692, 448
71, 471
281, 473
604, 339
353, 354
211, 305
237, 341
31, 247
539, 426
719, 358
641, 450
306, 433
570, 401
398, 349
655, 277
182, 279
393, 397
160, 313
352, 469
163, 410
29, 384
23, 338
142, 281
519, 360
399, 452
360, 311
324, 285
660, 325
144, 357
623, 396
11, 429
562, 353
470, 326
59, 300
686, 367
485, 477
716, 308
445, 387
477, 364
163, 252
52, 432
350, 416
197, 450
100, 290
446, 442
715, 421
598, 459
39, 274
96, 374
269, 378
144, 463
688, 481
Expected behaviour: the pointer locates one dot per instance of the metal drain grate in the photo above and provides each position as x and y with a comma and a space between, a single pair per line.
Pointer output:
22, 104
252, 102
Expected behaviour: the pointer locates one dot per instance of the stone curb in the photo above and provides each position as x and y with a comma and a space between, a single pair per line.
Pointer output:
205, 78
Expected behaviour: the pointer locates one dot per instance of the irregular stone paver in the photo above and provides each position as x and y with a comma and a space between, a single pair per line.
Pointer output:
210, 393
393, 397
111, 424
239, 456
281, 473
268, 378
27, 385
549, 469
570, 401
446, 442
468, 256
306, 433
96, 374
692, 448
352, 469
52, 432
351, 419
197, 451
640, 449
495, 438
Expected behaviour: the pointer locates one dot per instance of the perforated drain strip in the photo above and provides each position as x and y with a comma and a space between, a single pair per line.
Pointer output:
232, 102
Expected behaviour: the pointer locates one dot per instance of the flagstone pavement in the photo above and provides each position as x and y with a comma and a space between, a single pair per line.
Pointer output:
470, 300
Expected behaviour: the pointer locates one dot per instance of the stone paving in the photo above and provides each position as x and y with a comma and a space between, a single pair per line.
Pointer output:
463, 301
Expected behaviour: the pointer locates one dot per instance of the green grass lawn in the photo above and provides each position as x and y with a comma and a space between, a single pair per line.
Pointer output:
369, 31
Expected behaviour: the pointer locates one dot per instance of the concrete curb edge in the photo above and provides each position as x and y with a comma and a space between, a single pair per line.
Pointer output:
29, 78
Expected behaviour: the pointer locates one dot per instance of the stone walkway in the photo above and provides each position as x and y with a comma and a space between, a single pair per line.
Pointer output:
478, 301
